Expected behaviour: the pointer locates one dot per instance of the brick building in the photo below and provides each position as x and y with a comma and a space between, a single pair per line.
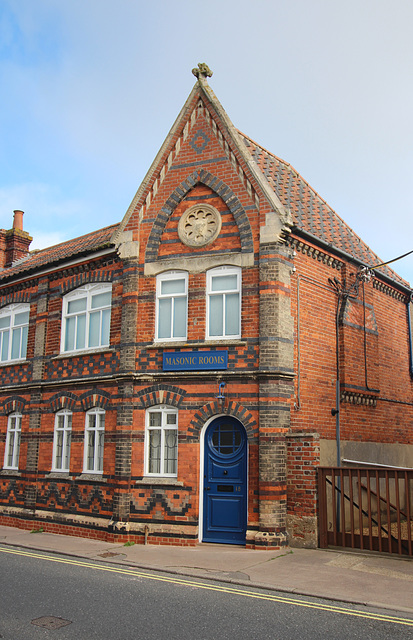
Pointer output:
176, 377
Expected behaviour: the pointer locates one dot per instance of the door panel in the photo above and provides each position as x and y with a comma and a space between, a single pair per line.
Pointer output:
225, 482
225, 513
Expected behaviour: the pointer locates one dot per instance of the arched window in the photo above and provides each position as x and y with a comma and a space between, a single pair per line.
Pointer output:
86, 318
12, 450
224, 302
61, 441
14, 325
161, 441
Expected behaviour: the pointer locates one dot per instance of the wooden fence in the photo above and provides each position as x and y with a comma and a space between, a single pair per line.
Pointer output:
366, 508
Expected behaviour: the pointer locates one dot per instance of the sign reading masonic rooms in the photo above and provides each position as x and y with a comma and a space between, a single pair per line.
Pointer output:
195, 360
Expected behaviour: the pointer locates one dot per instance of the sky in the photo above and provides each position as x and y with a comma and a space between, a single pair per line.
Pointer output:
90, 89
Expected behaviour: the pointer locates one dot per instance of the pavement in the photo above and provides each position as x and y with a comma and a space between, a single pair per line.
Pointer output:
384, 581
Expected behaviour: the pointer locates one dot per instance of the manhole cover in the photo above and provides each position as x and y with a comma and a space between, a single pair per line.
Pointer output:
108, 554
51, 622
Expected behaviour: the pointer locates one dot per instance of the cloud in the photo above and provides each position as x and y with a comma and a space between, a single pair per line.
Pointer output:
49, 214
92, 88
43, 240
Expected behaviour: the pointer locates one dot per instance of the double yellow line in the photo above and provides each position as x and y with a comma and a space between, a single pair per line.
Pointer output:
238, 591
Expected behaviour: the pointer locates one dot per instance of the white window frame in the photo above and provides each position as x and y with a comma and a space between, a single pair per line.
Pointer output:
86, 292
13, 439
165, 411
223, 271
94, 440
165, 277
13, 330
63, 431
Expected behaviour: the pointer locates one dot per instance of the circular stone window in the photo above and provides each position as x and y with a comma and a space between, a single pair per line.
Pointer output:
199, 225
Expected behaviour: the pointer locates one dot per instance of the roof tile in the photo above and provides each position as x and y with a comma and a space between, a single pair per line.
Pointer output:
310, 212
65, 250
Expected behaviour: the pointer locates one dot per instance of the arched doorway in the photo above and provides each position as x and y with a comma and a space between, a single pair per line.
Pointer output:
225, 482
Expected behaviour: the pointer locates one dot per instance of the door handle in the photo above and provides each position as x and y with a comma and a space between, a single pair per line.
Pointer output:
207, 488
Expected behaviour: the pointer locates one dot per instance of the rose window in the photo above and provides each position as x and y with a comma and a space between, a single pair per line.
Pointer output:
199, 225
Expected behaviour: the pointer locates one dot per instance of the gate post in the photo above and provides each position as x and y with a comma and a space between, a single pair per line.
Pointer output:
322, 508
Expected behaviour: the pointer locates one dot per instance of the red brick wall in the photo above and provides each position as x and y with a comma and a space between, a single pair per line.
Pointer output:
303, 457
382, 410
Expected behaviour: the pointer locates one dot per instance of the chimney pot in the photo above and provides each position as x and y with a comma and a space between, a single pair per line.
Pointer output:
18, 220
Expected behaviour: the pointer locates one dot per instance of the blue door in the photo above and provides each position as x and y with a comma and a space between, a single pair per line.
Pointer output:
225, 482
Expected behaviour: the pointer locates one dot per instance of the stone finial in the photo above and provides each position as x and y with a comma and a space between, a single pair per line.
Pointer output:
203, 71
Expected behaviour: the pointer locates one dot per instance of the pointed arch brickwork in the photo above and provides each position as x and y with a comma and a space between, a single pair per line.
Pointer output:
63, 400
81, 279
12, 404
93, 399
215, 408
15, 297
221, 189
161, 394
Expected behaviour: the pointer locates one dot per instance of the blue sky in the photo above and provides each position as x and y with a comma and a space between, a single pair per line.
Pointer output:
90, 89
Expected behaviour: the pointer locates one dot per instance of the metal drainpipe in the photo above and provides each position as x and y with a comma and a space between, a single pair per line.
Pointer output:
337, 414
337, 409
409, 324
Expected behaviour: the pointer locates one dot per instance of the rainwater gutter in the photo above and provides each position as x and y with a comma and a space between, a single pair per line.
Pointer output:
340, 253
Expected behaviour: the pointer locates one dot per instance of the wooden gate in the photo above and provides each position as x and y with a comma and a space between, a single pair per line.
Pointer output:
366, 508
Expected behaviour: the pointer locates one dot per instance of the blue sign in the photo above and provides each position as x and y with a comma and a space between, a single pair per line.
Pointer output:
195, 360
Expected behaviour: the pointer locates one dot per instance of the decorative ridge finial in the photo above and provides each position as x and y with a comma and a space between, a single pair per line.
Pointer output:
203, 71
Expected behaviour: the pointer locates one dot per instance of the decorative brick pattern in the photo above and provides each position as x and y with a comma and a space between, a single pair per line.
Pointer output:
315, 253
63, 400
13, 375
162, 503
390, 291
15, 297
212, 409
81, 279
91, 365
12, 491
199, 142
161, 394
12, 404
352, 397
94, 398
221, 189
75, 497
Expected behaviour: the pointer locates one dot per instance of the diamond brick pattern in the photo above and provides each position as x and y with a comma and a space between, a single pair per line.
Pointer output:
199, 142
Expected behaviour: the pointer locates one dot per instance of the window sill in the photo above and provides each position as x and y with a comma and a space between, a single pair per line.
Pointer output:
95, 477
11, 363
217, 342
64, 475
10, 472
82, 352
164, 481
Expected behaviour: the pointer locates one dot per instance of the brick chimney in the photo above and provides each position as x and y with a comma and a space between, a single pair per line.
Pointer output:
15, 243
